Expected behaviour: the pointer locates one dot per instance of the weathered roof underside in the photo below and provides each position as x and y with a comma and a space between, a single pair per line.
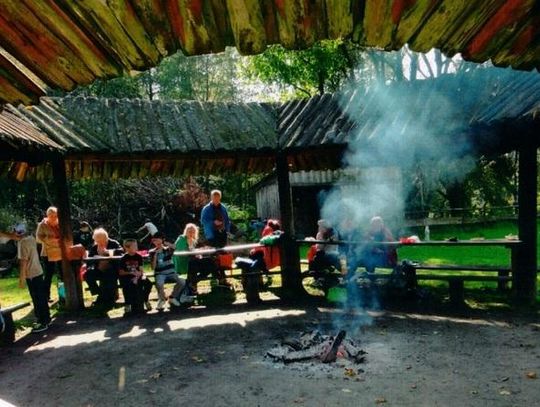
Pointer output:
65, 43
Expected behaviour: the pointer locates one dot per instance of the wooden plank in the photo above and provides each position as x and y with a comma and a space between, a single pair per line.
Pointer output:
13, 308
152, 15
110, 26
247, 26
498, 30
340, 18
478, 14
42, 55
518, 47
378, 25
188, 19
18, 80
409, 16
445, 19
299, 23
213, 250
77, 40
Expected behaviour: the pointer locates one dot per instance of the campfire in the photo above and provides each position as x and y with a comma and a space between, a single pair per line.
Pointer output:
314, 346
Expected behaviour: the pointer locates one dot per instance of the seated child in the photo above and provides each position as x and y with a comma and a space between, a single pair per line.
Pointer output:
135, 286
164, 271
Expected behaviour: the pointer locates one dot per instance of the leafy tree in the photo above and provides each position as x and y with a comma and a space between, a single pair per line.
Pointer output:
324, 67
122, 87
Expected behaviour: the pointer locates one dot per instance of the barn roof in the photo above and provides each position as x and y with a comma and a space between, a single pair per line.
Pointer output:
486, 110
140, 127
480, 108
65, 43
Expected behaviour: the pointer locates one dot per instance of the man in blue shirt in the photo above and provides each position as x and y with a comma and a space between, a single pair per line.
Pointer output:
215, 221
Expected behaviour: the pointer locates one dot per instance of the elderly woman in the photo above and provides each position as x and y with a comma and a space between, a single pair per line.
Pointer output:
103, 270
48, 234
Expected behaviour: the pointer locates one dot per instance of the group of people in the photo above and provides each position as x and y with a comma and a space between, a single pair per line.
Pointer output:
326, 255
102, 273
108, 262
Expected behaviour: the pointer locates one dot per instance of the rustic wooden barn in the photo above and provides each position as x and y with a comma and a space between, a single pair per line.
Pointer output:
308, 189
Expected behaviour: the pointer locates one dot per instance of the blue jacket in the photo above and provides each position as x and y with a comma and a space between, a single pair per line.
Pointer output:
207, 220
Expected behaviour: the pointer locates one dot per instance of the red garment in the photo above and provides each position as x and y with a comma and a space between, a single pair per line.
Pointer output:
311, 253
271, 254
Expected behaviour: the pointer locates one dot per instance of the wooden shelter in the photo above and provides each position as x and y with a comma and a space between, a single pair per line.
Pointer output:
61, 44
110, 138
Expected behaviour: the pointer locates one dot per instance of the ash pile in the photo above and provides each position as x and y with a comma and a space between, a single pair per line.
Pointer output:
316, 347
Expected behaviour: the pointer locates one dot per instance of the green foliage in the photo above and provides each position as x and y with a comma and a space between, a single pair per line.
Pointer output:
324, 67
203, 78
8, 218
489, 189
122, 87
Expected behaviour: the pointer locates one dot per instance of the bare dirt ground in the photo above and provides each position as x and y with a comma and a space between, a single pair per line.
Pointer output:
216, 357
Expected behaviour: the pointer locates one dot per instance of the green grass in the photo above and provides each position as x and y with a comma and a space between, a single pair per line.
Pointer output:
10, 293
498, 256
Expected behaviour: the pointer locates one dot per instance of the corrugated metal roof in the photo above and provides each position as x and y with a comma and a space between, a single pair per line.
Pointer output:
484, 97
20, 135
134, 126
65, 43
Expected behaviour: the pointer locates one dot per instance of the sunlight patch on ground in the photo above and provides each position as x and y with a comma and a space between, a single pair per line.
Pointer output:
420, 317
438, 318
241, 318
69, 340
135, 331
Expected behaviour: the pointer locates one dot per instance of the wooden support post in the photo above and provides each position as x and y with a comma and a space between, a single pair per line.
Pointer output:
456, 290
524, 273
290, 257
502, 285
72, 284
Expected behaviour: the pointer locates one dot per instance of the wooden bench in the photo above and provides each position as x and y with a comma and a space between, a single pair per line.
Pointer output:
456, 286
455, 281
8, 335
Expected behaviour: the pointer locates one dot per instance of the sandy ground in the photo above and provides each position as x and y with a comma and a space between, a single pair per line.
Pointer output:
201, 357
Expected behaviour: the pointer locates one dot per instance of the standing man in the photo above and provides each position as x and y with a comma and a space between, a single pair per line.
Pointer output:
32, 273
215, 220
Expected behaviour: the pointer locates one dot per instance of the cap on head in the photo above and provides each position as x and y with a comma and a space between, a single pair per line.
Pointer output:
20, 228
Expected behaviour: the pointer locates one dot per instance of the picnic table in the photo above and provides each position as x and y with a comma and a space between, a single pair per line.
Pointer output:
455, 281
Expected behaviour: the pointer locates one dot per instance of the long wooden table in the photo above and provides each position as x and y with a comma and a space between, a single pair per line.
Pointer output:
205, 251
509, 243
